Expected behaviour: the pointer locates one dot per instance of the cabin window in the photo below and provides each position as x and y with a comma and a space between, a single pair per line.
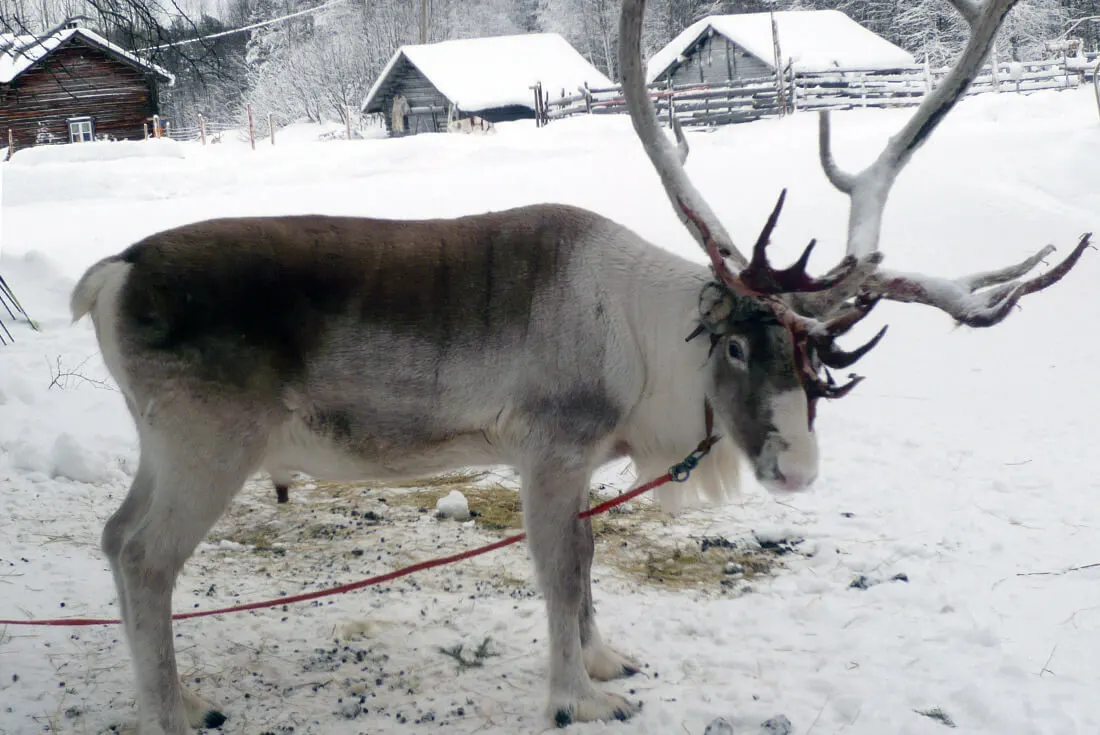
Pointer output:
80, 129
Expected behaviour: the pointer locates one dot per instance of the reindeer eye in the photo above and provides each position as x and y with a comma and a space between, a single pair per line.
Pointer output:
736, 351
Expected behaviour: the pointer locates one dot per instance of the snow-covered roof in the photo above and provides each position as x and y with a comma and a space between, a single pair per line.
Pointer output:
812, 40
484, 73
20, 53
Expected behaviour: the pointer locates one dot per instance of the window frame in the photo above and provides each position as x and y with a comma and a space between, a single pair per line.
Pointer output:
81, 129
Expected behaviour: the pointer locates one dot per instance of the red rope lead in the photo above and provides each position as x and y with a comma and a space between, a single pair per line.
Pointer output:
388, 576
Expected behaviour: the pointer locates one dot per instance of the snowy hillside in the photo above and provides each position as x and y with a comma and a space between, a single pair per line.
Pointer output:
966, 462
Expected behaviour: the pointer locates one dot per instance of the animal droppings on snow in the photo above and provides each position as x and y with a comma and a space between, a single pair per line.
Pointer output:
778, 543
453, 505
70, 460
863, 582
938, 715
778, 725
719, 726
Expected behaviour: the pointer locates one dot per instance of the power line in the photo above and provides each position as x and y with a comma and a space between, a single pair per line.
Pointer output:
243, 29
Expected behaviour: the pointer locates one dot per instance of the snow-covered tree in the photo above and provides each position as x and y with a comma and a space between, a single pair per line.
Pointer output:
1028, 28
475, 18
318, 74
591, 26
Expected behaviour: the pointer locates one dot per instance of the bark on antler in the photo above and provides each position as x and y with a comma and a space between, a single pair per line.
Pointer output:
730, 265
868, 190
756, 277
667, 159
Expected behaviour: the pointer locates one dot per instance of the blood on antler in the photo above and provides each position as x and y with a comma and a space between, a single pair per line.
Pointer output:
756, 277
818, 310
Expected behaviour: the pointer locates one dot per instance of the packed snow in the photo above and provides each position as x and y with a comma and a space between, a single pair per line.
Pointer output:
483, 73
454, 505
811, 40
942, 570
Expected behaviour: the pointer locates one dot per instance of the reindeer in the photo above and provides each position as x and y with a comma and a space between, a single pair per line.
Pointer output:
545, 337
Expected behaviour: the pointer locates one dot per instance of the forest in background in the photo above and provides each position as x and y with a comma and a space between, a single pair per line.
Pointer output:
318, 66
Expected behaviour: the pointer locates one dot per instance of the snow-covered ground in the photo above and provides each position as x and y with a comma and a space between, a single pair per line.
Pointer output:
966, 461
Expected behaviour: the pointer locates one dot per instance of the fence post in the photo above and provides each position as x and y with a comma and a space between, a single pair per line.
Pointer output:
1096, 83
156, 126
541, 105
271, 128
778, 53
202, 129
251, 129
794, 89
587, 99
145, 131
11, 144
347, 122
671, 101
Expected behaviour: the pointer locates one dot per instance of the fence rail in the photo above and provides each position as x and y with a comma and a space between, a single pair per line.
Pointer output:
195, 131
742, 100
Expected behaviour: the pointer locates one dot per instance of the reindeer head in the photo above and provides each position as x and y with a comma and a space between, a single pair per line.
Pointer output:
770, 365
773, 331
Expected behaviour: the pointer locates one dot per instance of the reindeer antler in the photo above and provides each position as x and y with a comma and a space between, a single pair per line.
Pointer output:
978, 300
868, 190
756, 277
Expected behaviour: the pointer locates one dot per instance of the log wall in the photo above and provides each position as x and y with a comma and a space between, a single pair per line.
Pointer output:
76, 80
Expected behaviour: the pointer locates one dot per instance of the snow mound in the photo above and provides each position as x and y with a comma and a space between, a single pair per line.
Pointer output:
454, 505
71, 460
99, 150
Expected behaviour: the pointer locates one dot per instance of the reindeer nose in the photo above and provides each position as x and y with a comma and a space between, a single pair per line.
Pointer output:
793, 480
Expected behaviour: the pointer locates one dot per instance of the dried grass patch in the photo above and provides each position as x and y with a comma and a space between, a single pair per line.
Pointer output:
633, 540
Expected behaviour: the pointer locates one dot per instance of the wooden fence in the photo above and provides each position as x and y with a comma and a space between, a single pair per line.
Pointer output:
206, 131
742, 100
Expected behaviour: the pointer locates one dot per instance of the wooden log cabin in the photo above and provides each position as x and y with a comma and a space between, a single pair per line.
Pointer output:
489, 78
720, 49
72, 85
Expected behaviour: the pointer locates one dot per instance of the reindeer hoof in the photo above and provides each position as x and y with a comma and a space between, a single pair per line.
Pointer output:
201, 713
214, 719
605, 663
598, 706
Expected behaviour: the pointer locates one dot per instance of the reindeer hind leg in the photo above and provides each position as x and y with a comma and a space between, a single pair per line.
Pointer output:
184, 484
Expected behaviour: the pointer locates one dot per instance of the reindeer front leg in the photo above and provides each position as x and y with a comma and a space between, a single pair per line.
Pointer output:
555, 489
600, 660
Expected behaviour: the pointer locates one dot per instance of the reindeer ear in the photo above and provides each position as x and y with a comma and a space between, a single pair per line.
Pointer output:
715, 307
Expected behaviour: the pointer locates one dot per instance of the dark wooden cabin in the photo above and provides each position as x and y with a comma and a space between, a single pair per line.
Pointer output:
428, 106
715, 59
721, 49
73, 85
489, 78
